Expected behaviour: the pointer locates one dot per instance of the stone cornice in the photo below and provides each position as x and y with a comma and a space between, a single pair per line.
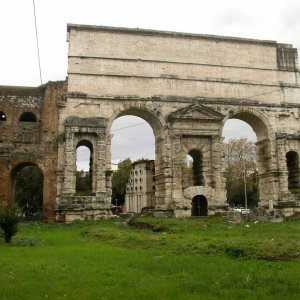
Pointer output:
151, 32
172, 98
191, 78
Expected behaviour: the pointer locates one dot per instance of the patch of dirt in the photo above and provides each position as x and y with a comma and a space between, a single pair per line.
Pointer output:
147, 225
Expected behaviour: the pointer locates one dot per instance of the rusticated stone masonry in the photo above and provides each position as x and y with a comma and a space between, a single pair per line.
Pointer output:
186, 86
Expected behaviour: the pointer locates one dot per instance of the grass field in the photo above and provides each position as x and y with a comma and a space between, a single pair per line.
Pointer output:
195, 258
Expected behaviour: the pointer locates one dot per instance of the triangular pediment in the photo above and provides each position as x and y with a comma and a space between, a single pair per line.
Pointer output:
195, 111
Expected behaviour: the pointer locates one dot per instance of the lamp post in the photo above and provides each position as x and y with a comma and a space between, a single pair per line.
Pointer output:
245, 181
245, 186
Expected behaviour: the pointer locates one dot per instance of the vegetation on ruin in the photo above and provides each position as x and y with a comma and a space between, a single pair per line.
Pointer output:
119, 181
29, 190
9, 220
83, 184
153, 258
241, 167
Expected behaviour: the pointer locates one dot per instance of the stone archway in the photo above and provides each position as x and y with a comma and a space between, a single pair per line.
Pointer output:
27, 182
292, 161
84, 178
186, 96
268, 176
149, 113
199, 206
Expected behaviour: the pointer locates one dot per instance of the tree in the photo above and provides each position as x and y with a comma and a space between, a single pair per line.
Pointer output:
83, 183
119, 181
9, 221
240, 166
29, 190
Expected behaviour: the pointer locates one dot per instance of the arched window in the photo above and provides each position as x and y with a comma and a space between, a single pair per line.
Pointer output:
2, 116
28, 117
27, 183
292, 161
196, 167
84, 173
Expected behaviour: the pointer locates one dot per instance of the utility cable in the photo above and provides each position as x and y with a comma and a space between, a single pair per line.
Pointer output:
37, 42
264, 93
129, 126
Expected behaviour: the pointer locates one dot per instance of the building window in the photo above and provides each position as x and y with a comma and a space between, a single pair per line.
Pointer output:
292, 161
84, 174
28, 117
2, 116
195, 168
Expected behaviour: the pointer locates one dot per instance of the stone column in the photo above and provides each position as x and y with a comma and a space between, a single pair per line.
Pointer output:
100, 163
282, 166
218, 170
268, 174
163, 170
177, 193
70, 164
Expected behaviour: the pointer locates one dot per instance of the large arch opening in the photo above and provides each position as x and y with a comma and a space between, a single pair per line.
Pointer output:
135, 143
84, 168
292, 161
199, 206
242, 158
27, 193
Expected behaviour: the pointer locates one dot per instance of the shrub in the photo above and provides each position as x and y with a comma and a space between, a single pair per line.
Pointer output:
8, 221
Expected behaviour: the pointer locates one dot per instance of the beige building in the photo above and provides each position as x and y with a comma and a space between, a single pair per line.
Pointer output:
140, 188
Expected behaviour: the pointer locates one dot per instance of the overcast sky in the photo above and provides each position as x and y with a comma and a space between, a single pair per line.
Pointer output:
263, 19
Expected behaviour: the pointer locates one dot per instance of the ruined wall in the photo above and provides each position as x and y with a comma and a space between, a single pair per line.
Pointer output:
186, 86
25, 143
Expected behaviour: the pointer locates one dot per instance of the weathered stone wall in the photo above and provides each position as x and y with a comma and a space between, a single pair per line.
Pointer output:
108, 61
186, 86
30, 143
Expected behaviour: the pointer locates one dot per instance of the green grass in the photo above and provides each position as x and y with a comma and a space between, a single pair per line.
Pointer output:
200, 258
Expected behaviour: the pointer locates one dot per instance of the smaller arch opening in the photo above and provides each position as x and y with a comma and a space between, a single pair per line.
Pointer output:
195, 168
199, 206
84, 171
2, 116
28, 117
27, 179
292, 161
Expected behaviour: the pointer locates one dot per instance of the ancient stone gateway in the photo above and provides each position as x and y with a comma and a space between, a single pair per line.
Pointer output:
185, 86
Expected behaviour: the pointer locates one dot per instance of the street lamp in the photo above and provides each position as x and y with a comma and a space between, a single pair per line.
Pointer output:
245, 181
245, 186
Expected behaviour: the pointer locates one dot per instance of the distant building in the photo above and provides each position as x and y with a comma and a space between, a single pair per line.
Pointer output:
140, 189
114, 167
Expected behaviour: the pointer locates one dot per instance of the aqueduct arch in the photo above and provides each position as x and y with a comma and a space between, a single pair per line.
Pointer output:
265, 147
147, 113
185, 86
36, 204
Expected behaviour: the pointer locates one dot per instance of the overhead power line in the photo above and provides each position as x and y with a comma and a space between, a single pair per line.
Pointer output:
129, 126
264, 93
37, 42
